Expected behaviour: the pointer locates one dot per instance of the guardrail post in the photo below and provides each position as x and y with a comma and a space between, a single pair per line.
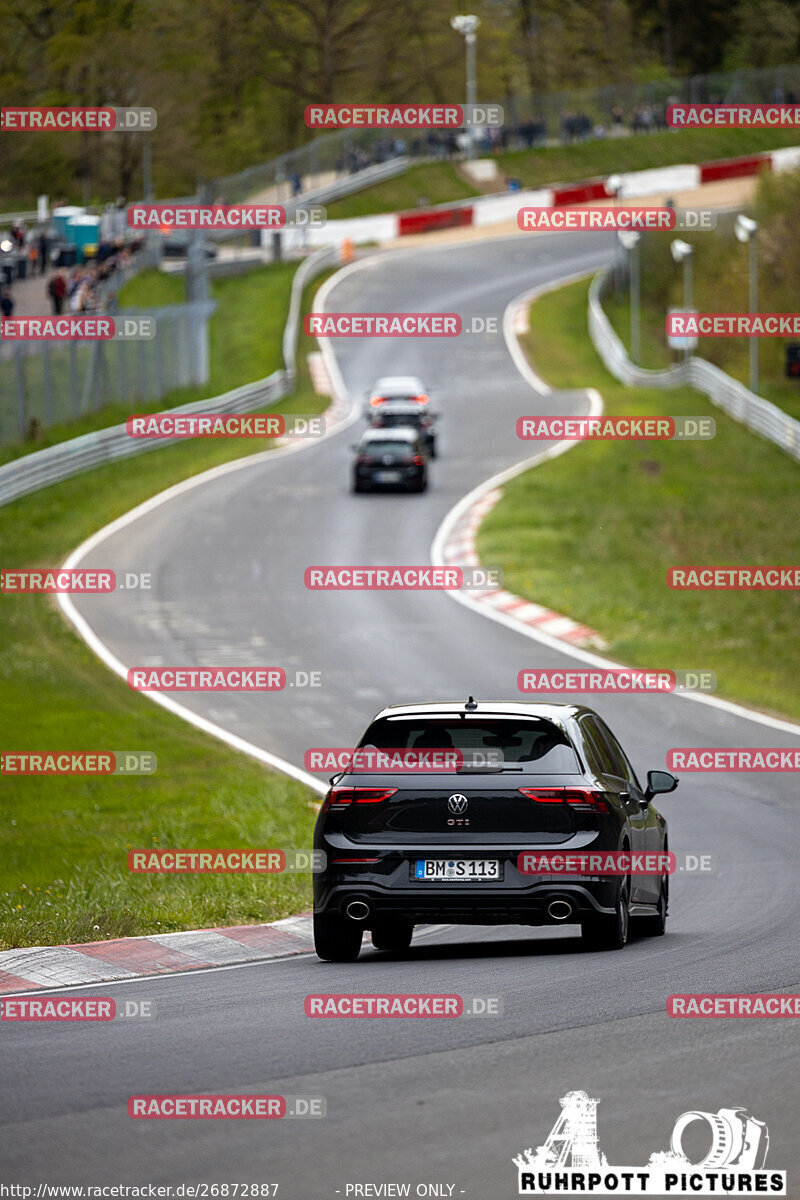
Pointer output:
48, 386
20, 374
73, 379
159, 357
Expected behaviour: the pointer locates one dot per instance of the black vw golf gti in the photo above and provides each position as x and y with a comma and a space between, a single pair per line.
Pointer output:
428, 823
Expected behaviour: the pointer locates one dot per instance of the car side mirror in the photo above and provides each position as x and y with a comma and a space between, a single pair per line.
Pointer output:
659, 782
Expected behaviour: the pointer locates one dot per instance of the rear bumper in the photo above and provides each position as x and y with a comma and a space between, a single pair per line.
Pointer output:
468, 905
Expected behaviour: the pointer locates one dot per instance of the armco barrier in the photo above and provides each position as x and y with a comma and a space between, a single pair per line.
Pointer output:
725, 392
734, 168
43, 467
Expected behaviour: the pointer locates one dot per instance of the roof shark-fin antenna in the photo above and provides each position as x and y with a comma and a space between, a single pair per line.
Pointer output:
470, 706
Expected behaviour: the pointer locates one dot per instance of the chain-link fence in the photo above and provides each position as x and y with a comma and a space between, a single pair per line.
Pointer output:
52, 383
575, 114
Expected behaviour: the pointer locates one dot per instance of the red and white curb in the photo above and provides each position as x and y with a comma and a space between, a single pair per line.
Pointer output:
320, 379
459, 551
159, 954
455, 542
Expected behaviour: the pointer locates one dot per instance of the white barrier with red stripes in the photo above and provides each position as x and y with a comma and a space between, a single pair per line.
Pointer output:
493, 209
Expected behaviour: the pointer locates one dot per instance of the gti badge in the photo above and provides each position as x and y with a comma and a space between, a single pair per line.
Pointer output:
457, 804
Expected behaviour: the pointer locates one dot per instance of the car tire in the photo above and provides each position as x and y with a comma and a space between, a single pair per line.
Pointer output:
356, 488
423, 484
655, 926
392, 933
609, 931
335, 938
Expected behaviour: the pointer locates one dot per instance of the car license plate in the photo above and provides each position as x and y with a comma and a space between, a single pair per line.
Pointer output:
457, 868
387, 476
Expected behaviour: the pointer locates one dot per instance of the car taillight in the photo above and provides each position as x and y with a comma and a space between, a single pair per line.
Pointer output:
418, 460
340, 796
376, 400
575, 797
422, 398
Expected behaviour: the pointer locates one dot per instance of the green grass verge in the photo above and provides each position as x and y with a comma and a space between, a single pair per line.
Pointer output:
592, 533
730, 354
244, 344
431, 183
63, 841
556, 164
436, 183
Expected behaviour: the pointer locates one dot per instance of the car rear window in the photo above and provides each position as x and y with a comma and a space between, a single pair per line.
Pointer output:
535, 747
387, 447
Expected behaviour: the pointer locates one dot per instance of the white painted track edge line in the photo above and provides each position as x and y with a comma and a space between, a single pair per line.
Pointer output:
458, 510
106, 656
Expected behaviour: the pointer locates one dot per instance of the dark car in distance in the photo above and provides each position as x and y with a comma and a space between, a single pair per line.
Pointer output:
405, 847
407, 414
390, 458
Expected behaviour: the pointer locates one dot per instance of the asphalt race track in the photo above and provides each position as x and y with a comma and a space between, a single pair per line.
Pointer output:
436, 1101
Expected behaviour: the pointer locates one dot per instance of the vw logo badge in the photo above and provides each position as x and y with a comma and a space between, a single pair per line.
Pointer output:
457, 803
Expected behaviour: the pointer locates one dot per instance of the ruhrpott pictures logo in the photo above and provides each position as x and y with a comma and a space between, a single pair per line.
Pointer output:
571, 1163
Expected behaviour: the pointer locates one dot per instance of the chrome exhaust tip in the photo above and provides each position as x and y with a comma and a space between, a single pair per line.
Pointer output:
559, 910
357, 910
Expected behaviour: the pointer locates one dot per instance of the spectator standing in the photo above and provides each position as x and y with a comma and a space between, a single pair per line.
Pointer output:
57, 290
44, 250
6, 303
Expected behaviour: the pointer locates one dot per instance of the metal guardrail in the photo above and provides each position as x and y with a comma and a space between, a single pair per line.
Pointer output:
726, 393
44, 467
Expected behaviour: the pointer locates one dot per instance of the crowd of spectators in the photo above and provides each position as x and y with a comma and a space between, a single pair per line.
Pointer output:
72, 286
570, 126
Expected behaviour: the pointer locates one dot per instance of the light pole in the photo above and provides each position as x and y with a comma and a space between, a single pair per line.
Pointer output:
630, 242
467, 26
746, 230
682, 252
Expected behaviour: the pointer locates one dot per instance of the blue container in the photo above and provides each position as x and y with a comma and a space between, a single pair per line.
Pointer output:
83, 232
61, 216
